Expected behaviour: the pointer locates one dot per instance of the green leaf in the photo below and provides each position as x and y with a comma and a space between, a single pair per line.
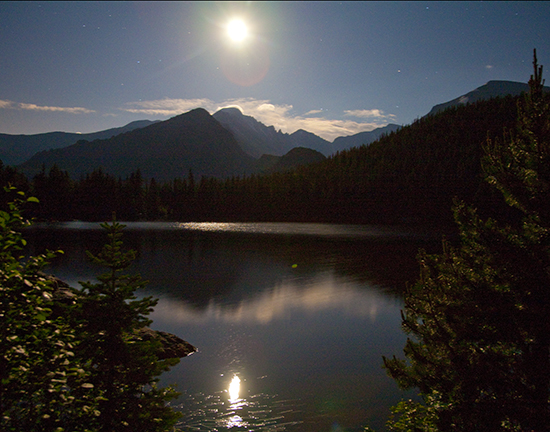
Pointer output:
41, 317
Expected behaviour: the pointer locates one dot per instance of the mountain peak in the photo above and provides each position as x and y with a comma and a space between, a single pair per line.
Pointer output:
254, 137
164, 150
194, 113
230, 110
301, 132
489, 90
196, 118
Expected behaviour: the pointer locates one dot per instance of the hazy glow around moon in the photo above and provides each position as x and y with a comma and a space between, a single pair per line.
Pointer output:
237, 30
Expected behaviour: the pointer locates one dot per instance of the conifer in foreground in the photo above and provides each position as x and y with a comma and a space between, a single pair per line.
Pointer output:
479, 317
125, 367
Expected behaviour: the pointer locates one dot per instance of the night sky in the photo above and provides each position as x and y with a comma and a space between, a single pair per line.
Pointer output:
332, 68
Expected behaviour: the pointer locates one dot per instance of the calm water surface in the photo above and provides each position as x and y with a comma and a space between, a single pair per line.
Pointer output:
291, 320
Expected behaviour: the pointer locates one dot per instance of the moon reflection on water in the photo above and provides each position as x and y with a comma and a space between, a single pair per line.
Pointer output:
234, 389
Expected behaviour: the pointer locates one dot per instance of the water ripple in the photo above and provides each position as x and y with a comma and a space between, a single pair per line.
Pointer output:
260, 412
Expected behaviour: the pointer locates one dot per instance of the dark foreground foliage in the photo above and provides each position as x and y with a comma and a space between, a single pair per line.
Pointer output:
479, 317
75, 363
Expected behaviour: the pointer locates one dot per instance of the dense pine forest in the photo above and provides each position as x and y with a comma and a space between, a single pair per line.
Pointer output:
408, 176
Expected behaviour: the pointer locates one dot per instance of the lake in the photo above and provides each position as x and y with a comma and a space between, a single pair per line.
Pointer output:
290, 320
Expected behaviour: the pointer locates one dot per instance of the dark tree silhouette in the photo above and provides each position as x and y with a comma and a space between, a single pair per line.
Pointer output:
479, 317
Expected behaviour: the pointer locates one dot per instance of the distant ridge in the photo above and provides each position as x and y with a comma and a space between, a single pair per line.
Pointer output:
164, 150
363, 138
487, 91
294, 158
16, 149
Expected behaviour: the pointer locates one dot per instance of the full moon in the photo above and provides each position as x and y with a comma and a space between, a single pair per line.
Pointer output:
237, 30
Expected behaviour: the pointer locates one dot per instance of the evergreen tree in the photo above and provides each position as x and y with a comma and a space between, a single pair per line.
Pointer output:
479, 316
519, 165
132, 200
96, 196
153, 208
125, 367
54, 192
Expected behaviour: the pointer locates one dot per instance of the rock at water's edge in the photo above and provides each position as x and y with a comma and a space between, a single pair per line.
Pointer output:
172, 345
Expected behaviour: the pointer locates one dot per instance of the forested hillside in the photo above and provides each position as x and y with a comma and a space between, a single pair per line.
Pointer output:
408, 176
16, 149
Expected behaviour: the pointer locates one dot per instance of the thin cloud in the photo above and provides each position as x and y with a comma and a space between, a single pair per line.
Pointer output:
266, 107
166, 107
5, 104
313, 112
372, 113
70, 110
280, 117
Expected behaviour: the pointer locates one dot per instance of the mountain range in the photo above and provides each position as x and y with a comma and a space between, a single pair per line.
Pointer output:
16, 149
164, 150
257, 139
224, 144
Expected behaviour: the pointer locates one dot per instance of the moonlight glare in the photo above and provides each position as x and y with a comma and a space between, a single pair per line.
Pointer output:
234, 388
237, 30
